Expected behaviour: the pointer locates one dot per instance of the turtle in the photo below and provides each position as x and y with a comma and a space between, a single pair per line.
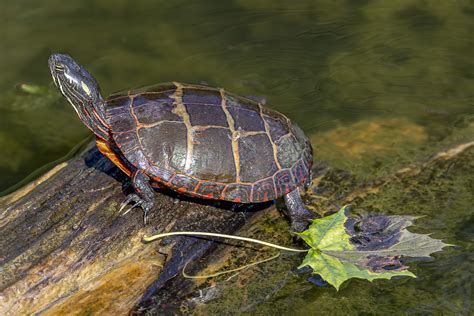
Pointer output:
197, 140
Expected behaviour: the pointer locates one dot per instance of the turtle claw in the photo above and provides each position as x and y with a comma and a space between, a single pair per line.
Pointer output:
130, 198
130, 208
137, 202
145, 216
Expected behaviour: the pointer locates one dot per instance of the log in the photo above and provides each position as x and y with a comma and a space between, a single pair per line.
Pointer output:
65, 249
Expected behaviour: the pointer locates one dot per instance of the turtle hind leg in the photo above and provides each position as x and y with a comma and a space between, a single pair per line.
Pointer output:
143, 197
299, 215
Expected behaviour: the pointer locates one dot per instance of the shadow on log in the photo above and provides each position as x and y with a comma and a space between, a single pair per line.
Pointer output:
65, 249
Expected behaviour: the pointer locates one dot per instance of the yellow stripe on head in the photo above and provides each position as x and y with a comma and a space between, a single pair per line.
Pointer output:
85, 88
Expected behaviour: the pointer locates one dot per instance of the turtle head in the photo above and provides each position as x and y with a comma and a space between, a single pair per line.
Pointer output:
81, 90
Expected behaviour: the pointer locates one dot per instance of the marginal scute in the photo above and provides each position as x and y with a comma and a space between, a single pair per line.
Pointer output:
210, 190
264, 190
161, 175
241, 193
182, 181
300, 172
284, 182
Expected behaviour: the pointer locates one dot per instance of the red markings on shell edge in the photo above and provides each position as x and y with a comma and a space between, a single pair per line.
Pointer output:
283, 182
239, 193
300, 172
183, 183
209, 190
264, 190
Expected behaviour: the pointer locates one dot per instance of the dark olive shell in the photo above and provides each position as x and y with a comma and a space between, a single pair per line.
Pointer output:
209, 143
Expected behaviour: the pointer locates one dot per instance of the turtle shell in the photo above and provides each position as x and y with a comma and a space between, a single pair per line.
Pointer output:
209, 143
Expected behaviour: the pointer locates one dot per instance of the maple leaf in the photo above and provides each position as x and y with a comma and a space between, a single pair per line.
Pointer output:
368, 248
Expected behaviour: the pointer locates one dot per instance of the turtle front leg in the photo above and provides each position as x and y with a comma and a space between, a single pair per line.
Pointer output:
299, 215
143, 197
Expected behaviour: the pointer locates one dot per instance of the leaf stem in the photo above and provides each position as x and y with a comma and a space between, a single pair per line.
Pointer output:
256, 241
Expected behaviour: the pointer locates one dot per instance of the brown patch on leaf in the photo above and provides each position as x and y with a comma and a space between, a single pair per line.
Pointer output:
376, 232
380, 264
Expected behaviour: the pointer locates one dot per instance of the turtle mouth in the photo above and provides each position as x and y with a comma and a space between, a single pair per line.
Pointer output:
55, 69
57, 64
58, 72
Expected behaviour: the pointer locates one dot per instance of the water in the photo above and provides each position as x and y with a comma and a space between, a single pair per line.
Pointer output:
326, 64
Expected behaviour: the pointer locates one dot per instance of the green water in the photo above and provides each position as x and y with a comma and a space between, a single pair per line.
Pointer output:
326, 64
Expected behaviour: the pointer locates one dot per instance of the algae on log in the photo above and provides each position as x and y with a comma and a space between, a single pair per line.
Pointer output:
65, 249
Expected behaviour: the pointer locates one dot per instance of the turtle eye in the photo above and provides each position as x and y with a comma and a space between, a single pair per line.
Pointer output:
58, 68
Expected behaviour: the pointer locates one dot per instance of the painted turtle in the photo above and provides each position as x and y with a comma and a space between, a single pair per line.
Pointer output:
197, 140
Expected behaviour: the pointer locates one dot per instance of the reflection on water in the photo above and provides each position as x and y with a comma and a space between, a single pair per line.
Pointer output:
403, 64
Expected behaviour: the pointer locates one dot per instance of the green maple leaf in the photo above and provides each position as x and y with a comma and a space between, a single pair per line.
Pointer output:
340, 250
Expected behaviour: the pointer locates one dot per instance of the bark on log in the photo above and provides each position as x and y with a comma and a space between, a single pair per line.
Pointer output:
65, 249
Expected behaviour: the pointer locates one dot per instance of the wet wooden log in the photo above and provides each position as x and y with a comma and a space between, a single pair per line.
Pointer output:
65, 249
